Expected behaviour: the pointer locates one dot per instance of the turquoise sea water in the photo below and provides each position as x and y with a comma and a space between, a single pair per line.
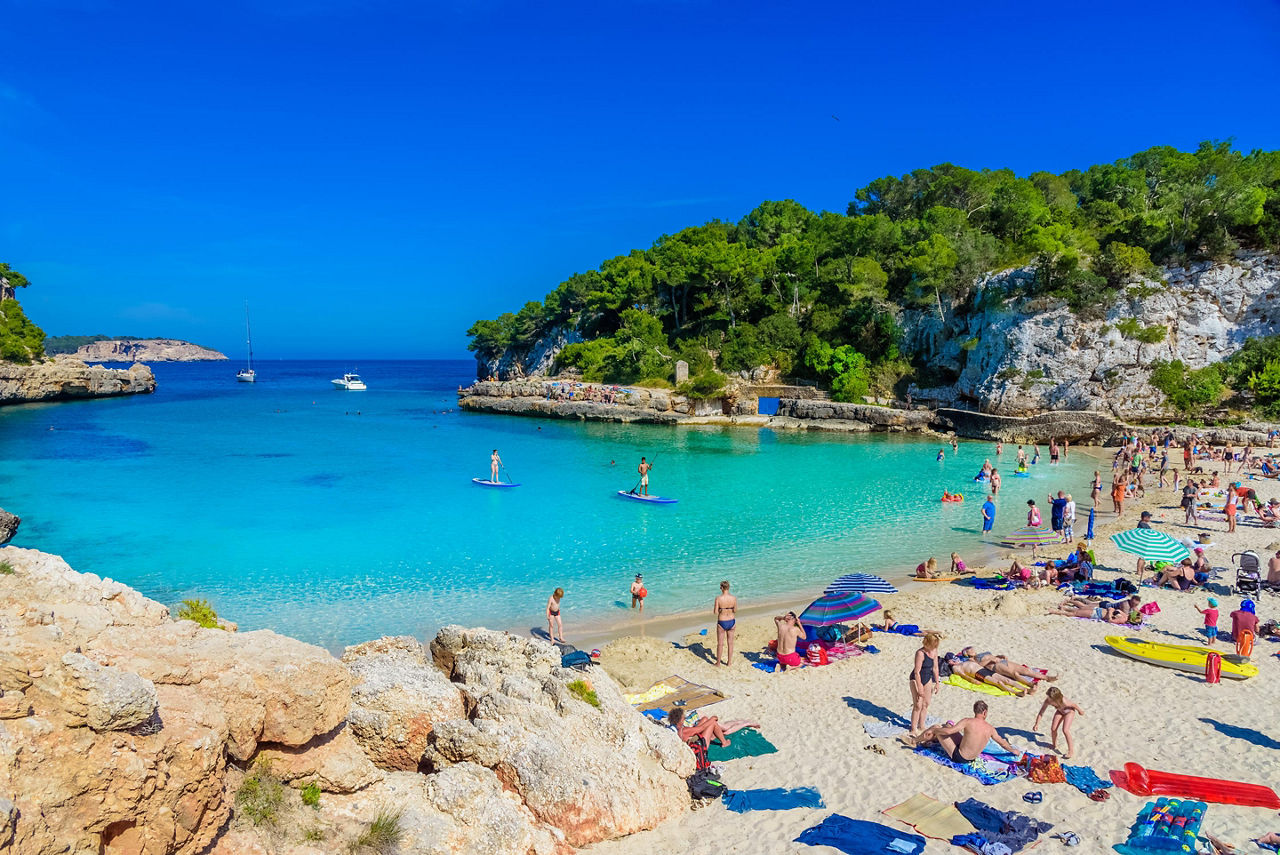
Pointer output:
287, 509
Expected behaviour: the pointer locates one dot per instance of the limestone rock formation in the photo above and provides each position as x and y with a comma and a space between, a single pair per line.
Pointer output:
63, 378
104, 698
1015, 356
146, 350
533, 361
8, 526
334, 762
398, 697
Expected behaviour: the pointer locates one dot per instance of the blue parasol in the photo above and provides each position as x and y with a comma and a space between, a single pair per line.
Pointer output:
1093, 512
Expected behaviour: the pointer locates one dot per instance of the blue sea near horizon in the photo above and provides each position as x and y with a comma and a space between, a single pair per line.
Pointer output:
337, 517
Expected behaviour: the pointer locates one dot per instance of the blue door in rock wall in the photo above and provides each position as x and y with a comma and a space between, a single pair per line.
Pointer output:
768, 407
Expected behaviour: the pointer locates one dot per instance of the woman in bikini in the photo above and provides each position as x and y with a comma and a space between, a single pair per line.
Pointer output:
725, 608
553, 615
1095, 492
924, 681
1063, 713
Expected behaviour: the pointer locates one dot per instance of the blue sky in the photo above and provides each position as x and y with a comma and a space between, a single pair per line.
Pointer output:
373, 176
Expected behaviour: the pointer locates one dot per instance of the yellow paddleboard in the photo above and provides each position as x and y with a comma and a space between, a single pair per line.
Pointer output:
1182, 657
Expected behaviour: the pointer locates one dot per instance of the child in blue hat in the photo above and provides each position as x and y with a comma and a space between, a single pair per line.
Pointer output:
1210, 621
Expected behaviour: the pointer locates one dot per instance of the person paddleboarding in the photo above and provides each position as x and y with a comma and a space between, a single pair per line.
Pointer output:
644, 469
495, 464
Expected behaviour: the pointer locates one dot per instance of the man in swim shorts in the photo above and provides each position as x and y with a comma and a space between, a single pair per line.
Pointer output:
725, 609
964, 740
789, 632
643, 469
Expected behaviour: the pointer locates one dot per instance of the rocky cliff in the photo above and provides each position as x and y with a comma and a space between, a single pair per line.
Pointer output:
1016, 356
125, 731
63, 378
536, 360
146, 350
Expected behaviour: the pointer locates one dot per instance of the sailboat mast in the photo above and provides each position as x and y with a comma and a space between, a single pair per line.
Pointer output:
248, 335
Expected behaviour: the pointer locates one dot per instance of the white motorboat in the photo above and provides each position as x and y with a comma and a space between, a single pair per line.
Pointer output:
350, 382
247, 374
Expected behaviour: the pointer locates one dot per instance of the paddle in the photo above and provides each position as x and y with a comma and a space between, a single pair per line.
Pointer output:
510, 480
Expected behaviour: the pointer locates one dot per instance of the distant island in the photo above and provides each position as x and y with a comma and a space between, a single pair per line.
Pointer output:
101, 348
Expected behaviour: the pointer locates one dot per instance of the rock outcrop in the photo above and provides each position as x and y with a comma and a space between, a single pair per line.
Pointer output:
536, 360
146, 350
63, 378
8, 526
125, 731
1014, 356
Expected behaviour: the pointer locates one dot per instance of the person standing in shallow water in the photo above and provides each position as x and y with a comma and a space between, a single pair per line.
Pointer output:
725, 609
554, 621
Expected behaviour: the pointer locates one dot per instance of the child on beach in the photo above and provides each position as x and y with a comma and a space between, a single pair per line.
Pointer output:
1210, 622
1063, 713
638, 592
927, 570
957, 565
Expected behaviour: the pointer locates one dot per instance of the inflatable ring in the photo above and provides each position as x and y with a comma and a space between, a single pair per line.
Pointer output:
954, 497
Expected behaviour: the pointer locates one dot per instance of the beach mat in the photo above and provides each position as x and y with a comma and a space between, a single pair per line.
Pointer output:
930, 817
986, 769
859, 837
742, 801
684, 695
961, 683
747, 742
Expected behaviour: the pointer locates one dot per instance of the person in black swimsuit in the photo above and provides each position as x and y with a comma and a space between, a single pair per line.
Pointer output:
553, 616
923, 680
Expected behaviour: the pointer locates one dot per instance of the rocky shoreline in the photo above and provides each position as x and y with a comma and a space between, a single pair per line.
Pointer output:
660, 406
63, 378
123, 730
146, 350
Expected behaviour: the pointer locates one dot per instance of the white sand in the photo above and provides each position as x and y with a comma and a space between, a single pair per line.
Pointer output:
1157, 717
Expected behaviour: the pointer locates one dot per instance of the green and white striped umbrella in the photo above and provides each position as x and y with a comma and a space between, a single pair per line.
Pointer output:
1150, 545
1032, 537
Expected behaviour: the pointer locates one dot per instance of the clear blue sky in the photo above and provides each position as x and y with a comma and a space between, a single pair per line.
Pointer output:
373, 176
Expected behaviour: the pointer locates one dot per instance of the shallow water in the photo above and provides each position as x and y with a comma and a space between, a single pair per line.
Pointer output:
339, 516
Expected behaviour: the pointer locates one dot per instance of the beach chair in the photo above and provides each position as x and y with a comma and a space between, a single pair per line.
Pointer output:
1248, 573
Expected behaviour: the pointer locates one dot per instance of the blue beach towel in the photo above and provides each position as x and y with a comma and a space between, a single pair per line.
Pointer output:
1008, 827
1084, 779
987, 769
859, 837
741, 801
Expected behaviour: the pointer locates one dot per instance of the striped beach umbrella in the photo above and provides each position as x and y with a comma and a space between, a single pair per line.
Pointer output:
1032, 537
860, 583
1150, 545
831, 609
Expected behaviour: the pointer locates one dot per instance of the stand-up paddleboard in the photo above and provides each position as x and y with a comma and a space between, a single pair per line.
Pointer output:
653, 500
484, 482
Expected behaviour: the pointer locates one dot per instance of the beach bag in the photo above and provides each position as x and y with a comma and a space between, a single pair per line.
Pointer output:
1244, 644
1045, 770
576, 659
699, 747
817, 655
1212, 668
705, 785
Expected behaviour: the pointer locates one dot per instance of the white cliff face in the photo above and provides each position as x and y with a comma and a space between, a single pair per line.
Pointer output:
1022, 356
514, 363
63, 378
146, 350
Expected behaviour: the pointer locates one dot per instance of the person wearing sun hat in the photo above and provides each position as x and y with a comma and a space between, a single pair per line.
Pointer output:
638, 592
1210, 621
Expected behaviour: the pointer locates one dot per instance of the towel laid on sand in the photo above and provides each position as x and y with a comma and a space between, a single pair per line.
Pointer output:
1008, 827
859, 837
930, 817
1085, 779
961, 683
747, 742
741, 801
883, 729
987, 769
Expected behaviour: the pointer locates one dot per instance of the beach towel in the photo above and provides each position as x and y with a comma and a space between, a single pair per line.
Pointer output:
1085, 779
899, 629
883, 729
930, 817
741, 801
1008, 827
987, 769
747, 742
961, 683
859, 837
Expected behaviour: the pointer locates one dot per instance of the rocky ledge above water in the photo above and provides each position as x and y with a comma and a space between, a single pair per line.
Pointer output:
146, 350
125, 731
63, 378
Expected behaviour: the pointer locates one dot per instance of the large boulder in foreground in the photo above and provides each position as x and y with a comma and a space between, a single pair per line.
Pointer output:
398, 697
591, 772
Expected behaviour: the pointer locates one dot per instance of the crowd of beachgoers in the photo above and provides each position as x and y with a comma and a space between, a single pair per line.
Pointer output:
1052, 626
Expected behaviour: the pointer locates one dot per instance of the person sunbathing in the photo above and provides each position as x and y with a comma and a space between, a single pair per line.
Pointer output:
1180, 577
707, 728
1005, 668
1091, 611
975, 673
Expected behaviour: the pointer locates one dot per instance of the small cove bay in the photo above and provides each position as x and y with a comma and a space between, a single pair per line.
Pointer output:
337, 517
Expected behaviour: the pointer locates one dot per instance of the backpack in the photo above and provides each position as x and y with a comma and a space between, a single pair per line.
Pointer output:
704, 785
576, 659
699, 747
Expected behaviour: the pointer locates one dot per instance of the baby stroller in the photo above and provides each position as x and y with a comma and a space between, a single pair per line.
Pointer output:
1248, 573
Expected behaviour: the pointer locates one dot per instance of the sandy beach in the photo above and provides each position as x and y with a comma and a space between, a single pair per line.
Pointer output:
1134, 712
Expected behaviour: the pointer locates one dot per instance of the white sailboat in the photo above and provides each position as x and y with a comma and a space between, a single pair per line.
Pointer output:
247, 374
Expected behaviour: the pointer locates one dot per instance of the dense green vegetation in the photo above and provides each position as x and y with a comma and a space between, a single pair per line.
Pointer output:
816, 294
20, 340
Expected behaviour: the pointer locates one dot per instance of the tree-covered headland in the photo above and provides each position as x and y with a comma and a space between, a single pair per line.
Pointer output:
818, 294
